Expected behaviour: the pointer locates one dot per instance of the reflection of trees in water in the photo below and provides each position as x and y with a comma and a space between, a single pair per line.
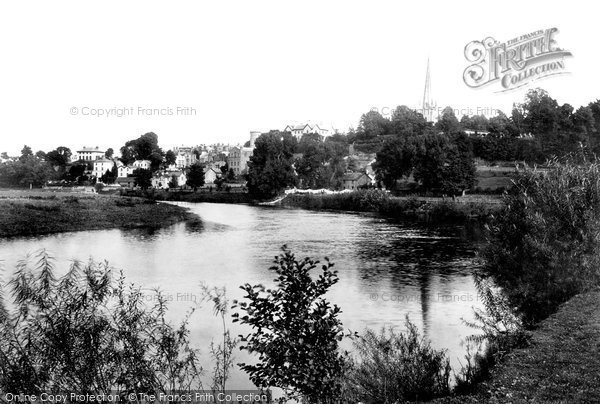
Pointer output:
408, 258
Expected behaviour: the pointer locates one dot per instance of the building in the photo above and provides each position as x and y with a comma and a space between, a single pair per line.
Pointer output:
356, 180
238, 157
161, 180
299, 130
145, 164
210, 176
185, 156
89, 154
101, 166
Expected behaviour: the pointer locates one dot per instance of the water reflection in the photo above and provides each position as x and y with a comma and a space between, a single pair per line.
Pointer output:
387, 269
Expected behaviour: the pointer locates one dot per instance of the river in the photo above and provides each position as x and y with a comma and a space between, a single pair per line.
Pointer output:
387, 269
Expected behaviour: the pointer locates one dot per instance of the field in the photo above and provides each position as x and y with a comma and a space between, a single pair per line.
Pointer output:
24, 213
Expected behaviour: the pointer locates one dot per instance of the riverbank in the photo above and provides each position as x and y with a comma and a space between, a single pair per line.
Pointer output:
457, 209
561, 364
28, 213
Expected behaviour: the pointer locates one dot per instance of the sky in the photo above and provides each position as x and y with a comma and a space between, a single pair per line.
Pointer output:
217, 70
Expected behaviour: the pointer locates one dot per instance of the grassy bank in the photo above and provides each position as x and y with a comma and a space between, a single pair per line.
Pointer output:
24, 213
561, 364
211, 197
398, 207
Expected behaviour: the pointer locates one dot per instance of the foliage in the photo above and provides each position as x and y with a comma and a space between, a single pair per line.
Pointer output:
86, 332
270, 166
195, 175
397, 367
544, 246
27, 170
296, 331
143, 148
142, 178
170, 158
222, 353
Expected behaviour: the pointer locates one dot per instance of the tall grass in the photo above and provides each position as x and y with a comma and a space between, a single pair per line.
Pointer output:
88, 332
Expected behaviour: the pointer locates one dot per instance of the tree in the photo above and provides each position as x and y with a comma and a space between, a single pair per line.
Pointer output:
170, 158
109, 153
110, 176
270, 166
26, 152
296, 331
60, 156
174, 183
407, 122
372, 125
395, 160
142, 178
143, 148
448, 123
195, 175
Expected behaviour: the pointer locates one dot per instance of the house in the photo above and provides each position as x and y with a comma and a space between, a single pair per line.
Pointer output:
239, 157
210, 175
124, 171
162, 179
89, 154
299, 130
101, 166
356, 180
144, 164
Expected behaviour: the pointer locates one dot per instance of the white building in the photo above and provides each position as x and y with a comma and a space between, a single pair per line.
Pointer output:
161, 180
145, 164
101, 166
89, 154
299, 130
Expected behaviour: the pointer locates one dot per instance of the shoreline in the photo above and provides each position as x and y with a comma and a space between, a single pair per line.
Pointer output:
25, 213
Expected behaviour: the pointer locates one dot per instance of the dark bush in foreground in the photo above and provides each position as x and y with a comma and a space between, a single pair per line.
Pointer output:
88, 333
397, 367
295, 331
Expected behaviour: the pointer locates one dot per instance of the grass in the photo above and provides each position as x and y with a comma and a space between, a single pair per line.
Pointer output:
561, 364
26, 213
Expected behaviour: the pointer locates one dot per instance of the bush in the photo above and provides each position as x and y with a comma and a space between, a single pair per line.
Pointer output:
296, 331
88, 333
544, 246
396, 367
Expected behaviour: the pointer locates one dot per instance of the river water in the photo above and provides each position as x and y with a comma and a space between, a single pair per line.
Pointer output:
387, 269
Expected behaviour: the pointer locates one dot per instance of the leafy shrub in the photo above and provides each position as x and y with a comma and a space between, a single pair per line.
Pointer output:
544, 247
395, 367
86, 332
296, 331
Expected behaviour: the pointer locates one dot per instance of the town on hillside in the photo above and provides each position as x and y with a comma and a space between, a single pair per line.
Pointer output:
407, 152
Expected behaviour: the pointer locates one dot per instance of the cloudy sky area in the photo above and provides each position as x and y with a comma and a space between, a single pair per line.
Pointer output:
256, 65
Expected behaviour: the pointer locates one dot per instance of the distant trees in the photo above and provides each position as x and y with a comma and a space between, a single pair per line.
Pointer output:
60, 157
170, 158
109, 152
195, 175
438, 161
142, 178
271, 165
143, 148
27, 170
